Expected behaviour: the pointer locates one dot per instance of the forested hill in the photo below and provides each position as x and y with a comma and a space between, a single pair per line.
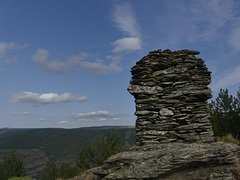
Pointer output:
63, 145
57, 142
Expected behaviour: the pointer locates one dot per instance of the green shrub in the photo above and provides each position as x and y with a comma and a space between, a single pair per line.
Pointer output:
51, 171
21, 178
11, 166
229, 138
87, 176
66, 171
95, 153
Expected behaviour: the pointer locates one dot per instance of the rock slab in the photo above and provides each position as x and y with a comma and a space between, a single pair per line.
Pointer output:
168, 161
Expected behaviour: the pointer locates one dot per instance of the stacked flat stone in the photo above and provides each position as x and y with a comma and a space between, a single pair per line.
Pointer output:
171, 93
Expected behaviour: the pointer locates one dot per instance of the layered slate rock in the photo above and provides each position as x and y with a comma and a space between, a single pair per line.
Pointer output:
171, 161
171, 95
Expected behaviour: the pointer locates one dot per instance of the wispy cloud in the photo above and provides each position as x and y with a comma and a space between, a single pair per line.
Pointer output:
234, 38
21, 113
6, 48
75, 63
125, 19
200, 20
35, 98
100, 68
215, 14
93, 116
126, 22
45, 119
229, 78
40, 59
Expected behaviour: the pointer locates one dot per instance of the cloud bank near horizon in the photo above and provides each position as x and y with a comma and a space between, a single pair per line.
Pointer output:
36, 98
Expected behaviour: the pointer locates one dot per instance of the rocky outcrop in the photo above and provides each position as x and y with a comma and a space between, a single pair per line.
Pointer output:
171, 95
174, 134
180, 160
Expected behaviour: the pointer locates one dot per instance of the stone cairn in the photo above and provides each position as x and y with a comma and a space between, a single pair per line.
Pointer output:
174, 134
171, 95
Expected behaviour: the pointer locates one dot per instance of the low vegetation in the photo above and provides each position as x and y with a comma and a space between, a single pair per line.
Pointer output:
93, 154
228, 138
21, 178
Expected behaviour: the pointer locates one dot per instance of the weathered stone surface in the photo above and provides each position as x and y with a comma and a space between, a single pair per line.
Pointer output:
136, 89
168, 160
171, 87
166, 112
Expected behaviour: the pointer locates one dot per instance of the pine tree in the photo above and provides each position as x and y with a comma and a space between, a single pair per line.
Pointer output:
95, 153
66, 171
11, 166
225, 114
51, 171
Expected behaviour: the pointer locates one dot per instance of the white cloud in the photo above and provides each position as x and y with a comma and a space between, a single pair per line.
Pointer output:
92, 114
21, 114
35, 98
40, 58
102, 119
229, 78
100, 68
63, 122
6, 48
130, 43
44, 119
101, 115
126, 22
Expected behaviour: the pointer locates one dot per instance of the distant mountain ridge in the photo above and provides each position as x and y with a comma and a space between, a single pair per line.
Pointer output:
35, 146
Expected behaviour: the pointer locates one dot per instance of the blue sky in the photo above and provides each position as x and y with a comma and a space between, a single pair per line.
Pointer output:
67, 64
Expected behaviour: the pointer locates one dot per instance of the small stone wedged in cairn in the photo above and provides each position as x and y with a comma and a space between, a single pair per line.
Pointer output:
171, 95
